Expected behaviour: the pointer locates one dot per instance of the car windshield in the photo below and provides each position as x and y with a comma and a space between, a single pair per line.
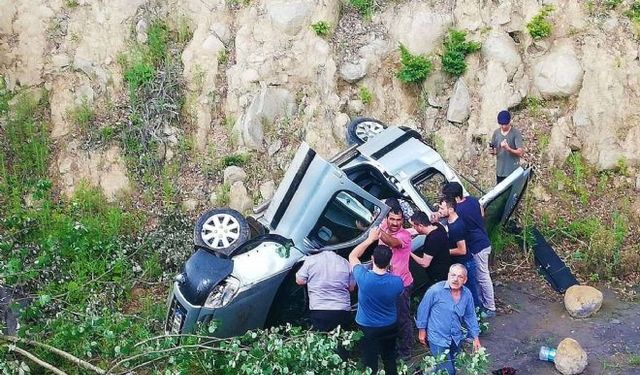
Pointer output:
429, 184
346, 217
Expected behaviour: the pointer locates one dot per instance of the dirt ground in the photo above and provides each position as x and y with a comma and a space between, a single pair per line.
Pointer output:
531, 314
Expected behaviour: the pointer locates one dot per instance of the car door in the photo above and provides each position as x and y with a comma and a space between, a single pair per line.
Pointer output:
502, 200
319, 208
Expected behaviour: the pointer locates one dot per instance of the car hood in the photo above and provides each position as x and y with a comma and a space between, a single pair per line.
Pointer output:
202, 272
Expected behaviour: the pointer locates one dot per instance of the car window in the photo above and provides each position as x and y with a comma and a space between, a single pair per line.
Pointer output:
429, 184
346, 217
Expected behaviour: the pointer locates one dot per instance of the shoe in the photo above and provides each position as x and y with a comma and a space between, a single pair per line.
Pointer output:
488, 314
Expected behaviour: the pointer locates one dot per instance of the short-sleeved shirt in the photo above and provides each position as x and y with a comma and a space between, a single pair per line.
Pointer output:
458, 232
328, 278
377, 295
506, 162
436, 244
400, 255
469, 211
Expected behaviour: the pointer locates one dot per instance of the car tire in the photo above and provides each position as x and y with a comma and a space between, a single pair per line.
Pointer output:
222, 230
361, 129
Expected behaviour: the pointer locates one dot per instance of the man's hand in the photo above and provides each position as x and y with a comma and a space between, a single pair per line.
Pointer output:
374, 235
422, 337
504, 144
476, 344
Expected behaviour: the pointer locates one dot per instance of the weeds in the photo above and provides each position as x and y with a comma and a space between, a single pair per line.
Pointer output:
235, 159
321, 28
539, 27
82, 115
534, 106
455, 50
364, 7
414, 68
634, 12
365, 95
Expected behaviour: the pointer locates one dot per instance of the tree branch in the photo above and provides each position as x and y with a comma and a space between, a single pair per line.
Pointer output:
37, 360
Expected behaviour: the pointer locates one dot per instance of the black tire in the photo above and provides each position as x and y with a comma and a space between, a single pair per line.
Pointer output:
222, 230
361, 129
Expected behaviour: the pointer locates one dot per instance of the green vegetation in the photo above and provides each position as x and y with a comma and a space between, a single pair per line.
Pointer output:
455, 50
634, 11
634, 360
365, 7
539, 27
223, 57
71, 3
321, 28
365, 95
535, 106
82, 115
415, 68
235, 159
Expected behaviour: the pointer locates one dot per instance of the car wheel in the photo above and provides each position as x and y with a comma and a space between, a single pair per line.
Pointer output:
222, 230
361, 129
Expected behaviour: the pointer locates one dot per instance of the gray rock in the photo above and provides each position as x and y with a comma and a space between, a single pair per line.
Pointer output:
558, 74
459, 103
141, 31
418, 26
570, 359
239, 198
290, 16
190, 204
83, 64
356, 106
269, 104
60, 60
274, 147
500, 47
84, 94
340, 124
267, 189
353, 72
638, 183
233, 174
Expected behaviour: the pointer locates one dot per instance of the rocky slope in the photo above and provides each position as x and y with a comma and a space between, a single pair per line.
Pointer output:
258, 80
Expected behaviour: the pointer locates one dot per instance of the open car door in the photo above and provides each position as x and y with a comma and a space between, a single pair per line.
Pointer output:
319, 208
502, 200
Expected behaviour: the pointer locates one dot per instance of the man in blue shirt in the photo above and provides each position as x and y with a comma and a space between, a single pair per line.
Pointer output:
478, 243
377, 317
445, 306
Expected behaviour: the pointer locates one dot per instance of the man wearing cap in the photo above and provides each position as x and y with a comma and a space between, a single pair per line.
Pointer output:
507, 145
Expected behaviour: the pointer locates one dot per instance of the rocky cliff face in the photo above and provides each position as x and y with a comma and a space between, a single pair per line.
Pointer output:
248, 65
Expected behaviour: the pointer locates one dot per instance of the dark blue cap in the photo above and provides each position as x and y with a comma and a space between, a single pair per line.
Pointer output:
504, 117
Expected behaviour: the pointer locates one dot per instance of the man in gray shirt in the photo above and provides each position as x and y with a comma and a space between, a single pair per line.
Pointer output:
329, 280
507, 145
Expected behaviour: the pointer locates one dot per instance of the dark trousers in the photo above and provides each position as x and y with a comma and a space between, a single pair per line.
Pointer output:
328, 320
405, 323
380, 341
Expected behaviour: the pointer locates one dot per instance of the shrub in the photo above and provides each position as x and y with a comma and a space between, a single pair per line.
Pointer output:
415, 68
157, 38
634, 11
138, 75
321, 28
365, 95
456, 48
539, 27
82, 114
235, 159
365, 7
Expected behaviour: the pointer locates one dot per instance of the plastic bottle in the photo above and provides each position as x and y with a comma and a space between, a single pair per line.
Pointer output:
547, 354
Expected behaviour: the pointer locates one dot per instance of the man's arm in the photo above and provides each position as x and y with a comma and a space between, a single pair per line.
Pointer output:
422, 316
390, 240
424, 261
303, 273
356, 253
460, 249
471, 321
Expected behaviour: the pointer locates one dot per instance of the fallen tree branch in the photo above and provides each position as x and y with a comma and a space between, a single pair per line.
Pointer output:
36, 360
61, 353
163, 351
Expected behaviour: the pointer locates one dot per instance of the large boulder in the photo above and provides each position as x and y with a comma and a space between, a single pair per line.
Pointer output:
570, 359
269, 104
353, 72
558, 74
582, 301
459, 104
417, 26
290, 16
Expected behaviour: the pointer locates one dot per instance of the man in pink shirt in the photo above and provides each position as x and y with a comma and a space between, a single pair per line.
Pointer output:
398, 239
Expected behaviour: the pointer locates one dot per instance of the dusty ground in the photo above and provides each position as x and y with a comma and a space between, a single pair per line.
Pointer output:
531, 314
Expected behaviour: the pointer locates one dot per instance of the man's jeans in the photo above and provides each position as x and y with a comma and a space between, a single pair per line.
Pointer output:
380, 341
485, 285
405, 323
472, 281
449, 365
